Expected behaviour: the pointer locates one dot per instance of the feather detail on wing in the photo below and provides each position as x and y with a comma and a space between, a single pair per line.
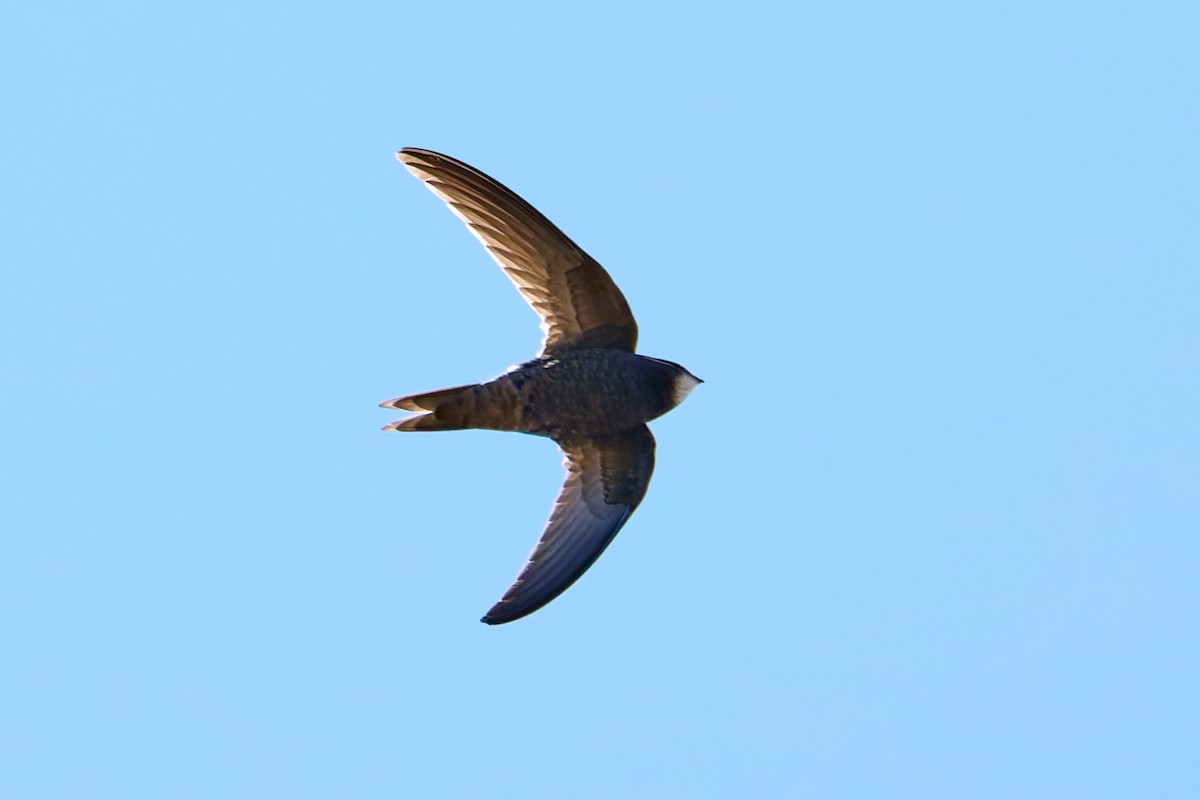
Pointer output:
577, 301
606, 480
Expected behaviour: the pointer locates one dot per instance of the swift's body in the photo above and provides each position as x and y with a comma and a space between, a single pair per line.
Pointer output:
587, 389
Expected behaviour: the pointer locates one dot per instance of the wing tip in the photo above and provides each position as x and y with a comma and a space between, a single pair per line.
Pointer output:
416, 161
496, 615
417, 155
505, 611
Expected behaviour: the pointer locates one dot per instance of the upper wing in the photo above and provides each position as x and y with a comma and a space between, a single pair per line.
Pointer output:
577, 300
606, 479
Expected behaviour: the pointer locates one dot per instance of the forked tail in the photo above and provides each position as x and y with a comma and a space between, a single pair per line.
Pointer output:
492, 405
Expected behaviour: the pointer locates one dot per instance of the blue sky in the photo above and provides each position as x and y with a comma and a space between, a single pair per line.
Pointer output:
927, 530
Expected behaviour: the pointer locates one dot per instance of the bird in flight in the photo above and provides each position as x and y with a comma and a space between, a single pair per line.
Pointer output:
587, 389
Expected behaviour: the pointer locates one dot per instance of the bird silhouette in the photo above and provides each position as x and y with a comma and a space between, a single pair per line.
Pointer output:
586, 389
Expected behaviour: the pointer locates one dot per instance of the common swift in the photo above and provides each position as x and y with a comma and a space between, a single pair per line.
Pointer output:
587, 389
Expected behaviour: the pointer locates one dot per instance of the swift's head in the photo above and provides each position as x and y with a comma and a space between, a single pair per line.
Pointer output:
679, 381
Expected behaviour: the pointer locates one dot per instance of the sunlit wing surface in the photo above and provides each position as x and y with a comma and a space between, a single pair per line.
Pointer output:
577, 301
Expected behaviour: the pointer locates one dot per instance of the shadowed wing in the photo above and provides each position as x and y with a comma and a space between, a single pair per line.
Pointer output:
606, 479
578, 302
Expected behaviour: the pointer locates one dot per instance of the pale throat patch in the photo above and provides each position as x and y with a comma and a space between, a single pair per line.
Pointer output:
684, 383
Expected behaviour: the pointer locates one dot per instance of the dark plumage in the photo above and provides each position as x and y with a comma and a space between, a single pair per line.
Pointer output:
587, 389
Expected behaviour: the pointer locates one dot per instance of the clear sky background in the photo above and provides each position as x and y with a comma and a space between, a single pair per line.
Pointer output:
929, 529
